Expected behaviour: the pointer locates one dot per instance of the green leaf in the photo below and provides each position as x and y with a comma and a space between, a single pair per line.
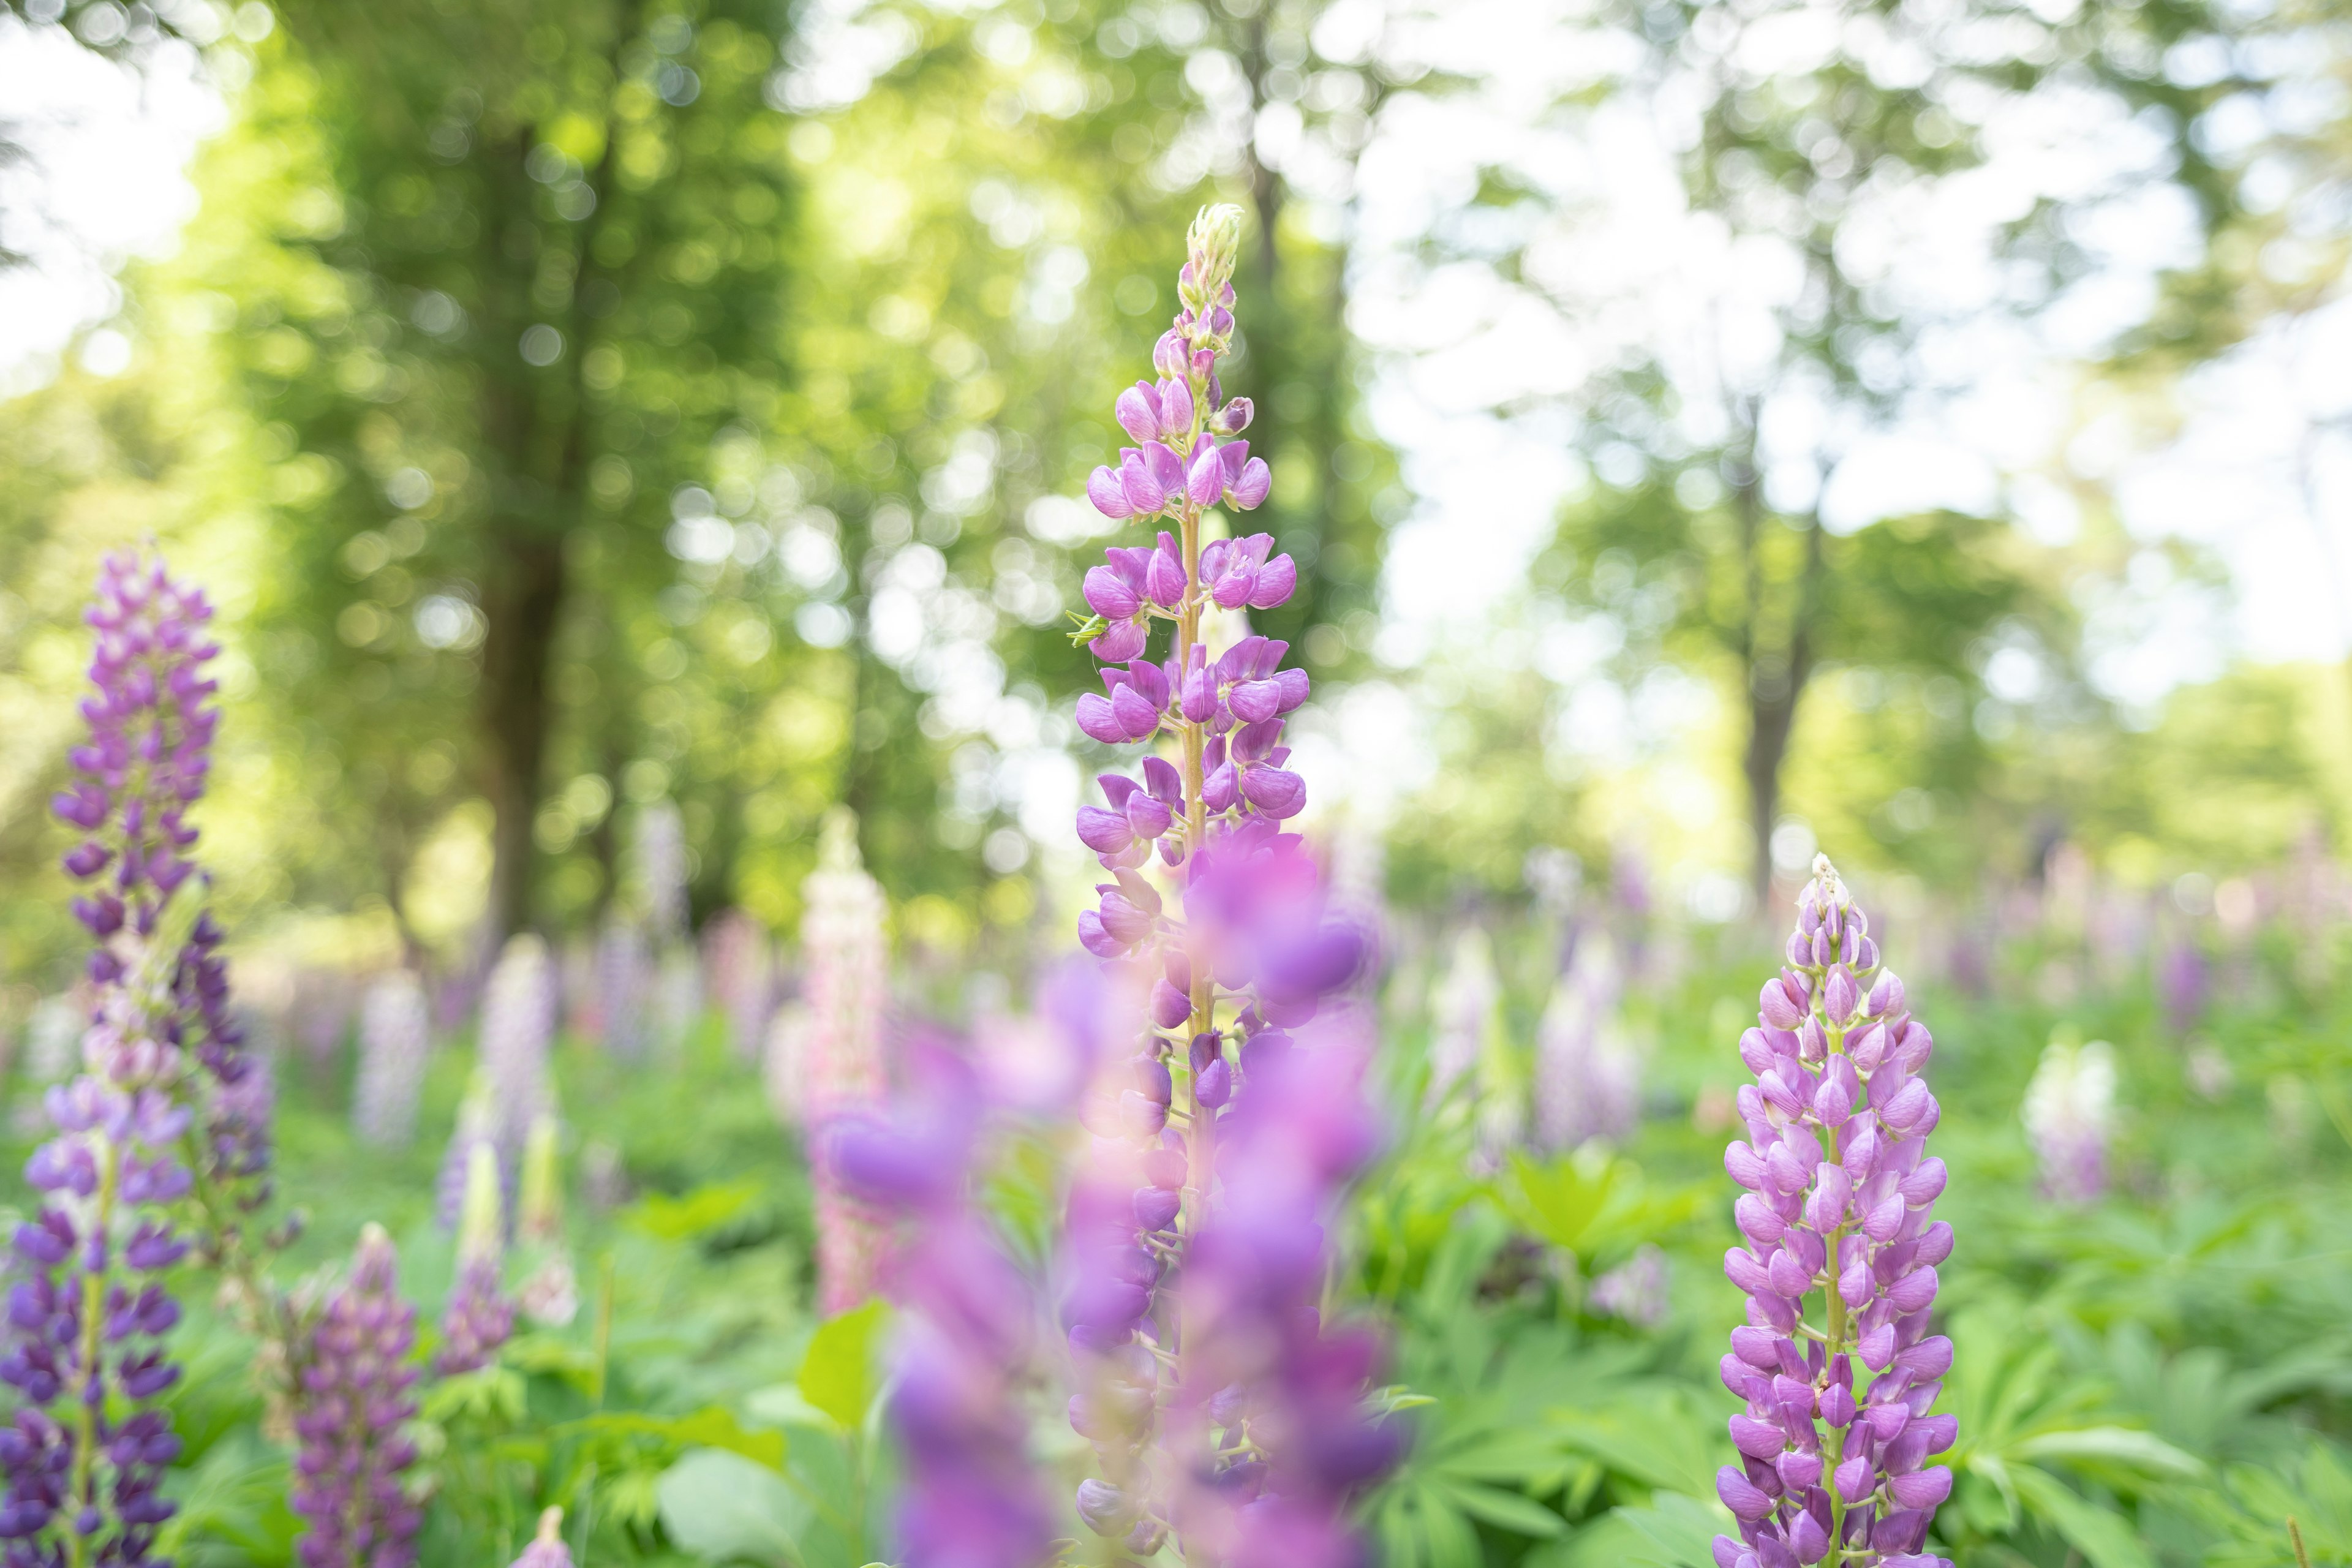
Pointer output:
1682, 1527
2104, 1538
837, 1377
2116, 1445
703, 1210
1507, 1511
718, 1504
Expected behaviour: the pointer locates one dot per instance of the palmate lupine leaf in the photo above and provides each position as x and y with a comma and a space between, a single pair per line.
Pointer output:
2255, 1504
2031, 1430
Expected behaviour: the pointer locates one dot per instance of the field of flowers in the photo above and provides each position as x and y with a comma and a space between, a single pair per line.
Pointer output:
1274, 1227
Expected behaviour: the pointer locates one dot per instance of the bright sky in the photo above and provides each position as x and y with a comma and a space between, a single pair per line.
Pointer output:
2255, 473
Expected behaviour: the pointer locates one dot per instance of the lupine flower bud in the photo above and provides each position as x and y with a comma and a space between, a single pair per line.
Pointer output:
1839, 1188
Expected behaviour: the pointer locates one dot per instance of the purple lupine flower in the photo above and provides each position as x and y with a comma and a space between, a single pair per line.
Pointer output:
1588, 1083
517, 1027
661, 865
477, 1123
1840, 1190
547, 1548
1635, 1290
2068, 1114
163, 985
2181, 982
1231, 951
1465, 1014
478, 1318
1269, 1404
623, 986
835, 1066
550, 1291
352, 1399
737, 957
395, 1038
971, 1498
88, 1445
166, 1066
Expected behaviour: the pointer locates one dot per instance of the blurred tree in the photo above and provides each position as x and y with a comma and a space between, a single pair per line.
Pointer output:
552, 255
1802, 318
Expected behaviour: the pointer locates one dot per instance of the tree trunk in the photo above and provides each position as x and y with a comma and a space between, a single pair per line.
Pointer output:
523, 601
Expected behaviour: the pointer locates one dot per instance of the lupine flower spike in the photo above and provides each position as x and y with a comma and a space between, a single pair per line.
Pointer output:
549, 1292
517, 1027
479, 1316
395, 1037
166, 1107
1588, 1080
833, 1064
1259, 1400
1836, 1220
352, 1403
973, 1500
2070, 1113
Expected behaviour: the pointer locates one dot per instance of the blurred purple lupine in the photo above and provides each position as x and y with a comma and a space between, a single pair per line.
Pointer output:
166, 1070
2069, 1115
972, 1498
2180, 984
395, 1037
480, 1316
517, 1027
833, 1063
1248, 955
547, 1548
623, 986
1272, 1434
1588, 1083
1840, 1189
351, 1402
738, 956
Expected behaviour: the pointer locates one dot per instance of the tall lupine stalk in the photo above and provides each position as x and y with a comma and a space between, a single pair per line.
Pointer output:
1249, 957
351, 1404
156, 1118
395, 1037
1839, 1187
834, 1065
